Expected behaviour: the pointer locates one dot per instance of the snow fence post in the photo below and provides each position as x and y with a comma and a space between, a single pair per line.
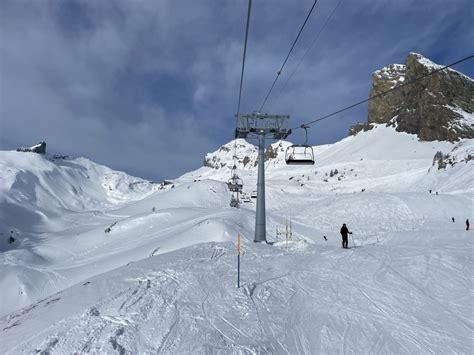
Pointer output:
238, 260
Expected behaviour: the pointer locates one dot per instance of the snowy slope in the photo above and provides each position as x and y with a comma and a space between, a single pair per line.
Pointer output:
163, 277
380, 160
42, 184
43, 201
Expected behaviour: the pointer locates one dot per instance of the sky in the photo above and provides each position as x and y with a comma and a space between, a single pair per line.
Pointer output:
149, 87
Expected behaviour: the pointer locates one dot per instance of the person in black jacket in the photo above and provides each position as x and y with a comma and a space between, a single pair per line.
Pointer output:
344, 233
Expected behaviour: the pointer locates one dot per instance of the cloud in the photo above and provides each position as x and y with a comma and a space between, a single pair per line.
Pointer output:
151, 86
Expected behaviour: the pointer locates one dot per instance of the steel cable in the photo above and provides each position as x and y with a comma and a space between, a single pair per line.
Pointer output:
288, 55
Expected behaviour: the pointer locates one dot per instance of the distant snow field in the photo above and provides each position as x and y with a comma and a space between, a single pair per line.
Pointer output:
94, 260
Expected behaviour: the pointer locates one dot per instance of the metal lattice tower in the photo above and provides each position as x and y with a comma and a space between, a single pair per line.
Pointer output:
261, 125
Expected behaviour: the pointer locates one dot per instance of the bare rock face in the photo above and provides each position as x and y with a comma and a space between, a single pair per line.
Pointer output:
360, 126
438, 107
271, 152
39, 148
381, 110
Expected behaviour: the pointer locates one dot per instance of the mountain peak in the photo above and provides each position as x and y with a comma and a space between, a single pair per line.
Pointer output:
419, 58
438, 107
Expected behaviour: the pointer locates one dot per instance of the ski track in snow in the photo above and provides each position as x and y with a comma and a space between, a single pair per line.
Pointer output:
311, 300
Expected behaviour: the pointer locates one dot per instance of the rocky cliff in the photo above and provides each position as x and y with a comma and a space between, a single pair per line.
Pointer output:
438, 107
39, 148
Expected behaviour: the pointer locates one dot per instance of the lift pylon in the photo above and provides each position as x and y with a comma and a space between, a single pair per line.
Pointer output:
261, 125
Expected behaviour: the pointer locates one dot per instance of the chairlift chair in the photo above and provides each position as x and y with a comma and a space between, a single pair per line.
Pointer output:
300, 154
235, 184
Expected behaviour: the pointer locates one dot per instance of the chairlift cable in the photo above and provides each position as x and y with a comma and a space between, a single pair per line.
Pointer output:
240, 92
243, 57
308, 49
242, 71
288, 55
383, 93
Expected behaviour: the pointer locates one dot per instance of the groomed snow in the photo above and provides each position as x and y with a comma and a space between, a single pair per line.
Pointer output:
163, 278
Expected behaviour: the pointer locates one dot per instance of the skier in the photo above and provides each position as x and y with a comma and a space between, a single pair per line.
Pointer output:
344, 233
452, 219
467, 224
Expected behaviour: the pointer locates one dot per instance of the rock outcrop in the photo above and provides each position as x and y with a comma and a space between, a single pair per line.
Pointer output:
360, 126
39, 148
438, 107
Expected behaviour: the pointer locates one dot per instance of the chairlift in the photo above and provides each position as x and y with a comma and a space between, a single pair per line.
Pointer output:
300, 154
235, 184
253, 194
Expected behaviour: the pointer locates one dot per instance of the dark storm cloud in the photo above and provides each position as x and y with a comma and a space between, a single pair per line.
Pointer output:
151, 86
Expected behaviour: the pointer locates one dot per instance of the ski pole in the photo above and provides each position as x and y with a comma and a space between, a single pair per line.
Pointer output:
353, 240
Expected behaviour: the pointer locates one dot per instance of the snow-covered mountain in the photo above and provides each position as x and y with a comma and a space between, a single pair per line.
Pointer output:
380, 160
105, 262
46, 183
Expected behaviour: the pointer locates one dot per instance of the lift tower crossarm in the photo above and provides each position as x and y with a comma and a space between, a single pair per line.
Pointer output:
262, 123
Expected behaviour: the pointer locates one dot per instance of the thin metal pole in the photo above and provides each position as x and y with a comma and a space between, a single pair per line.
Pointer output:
238, 260
238, 271
260, 225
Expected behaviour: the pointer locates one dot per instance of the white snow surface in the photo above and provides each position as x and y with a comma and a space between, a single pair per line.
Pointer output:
163, 278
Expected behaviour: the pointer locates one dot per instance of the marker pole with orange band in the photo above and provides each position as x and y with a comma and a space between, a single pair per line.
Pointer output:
238, 260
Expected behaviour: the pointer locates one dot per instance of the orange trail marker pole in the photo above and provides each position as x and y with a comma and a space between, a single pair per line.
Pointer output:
238, 260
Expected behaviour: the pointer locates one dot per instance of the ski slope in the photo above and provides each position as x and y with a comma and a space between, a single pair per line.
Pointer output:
163, 278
